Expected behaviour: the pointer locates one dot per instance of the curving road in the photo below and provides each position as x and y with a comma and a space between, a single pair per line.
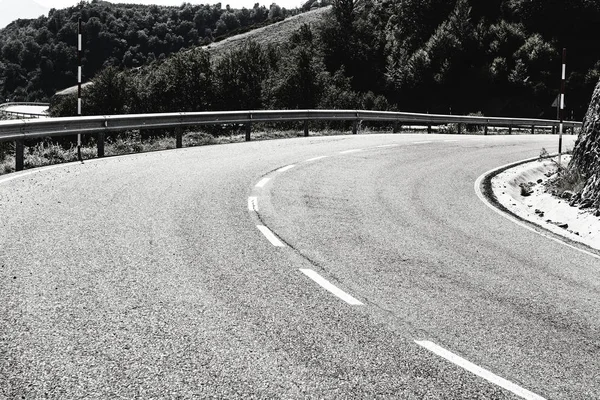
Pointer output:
332, 267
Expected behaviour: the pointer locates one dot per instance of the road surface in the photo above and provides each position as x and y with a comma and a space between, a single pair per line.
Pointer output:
331, 267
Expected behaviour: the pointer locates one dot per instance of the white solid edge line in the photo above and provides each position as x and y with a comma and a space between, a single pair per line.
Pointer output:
262, 182
252, 204
316, 158
513, 219
477, 370
22, 174
18, 175
450, 140
350, 151
423, 142
388, 145
270, 236
325, 284
283, 169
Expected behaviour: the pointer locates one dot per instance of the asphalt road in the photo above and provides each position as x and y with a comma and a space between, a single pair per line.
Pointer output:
146, 276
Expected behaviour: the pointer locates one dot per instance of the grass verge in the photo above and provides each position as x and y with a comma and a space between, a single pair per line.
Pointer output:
46, 152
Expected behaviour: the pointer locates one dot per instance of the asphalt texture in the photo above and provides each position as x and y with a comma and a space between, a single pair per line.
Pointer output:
145, 276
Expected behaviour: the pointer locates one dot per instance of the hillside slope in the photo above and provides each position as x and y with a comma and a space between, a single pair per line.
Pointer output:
275, 34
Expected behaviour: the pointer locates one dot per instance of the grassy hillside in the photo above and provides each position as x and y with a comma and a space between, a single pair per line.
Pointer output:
276, 34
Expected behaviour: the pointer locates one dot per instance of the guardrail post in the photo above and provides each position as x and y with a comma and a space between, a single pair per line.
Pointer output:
19, 154
510, 129
249, 127
178, 138
355, 127
459, 128
553, 129
100, 144
485, 129
395, 127
248, 130
429, 129
533, 129
306, 128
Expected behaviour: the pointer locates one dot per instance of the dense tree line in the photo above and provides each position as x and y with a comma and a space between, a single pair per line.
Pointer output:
39, 57
498, 57
250, 77
501, 57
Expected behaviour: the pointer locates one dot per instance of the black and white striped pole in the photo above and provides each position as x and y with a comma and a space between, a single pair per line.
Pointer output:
561, 103
79, 85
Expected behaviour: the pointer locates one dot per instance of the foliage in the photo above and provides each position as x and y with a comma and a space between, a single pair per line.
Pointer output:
39, 57
498, 57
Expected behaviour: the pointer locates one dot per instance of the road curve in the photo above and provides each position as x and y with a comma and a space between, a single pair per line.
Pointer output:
222, 271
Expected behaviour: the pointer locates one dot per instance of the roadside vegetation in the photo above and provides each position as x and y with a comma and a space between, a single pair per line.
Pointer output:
50, 152
497, 57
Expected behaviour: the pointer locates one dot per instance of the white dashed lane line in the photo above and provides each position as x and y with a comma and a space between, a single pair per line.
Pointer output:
387, 145
286, 168
325, 284
316, 158
423, 142
262, 182
252, 204
477, 370
270, 236
351, 151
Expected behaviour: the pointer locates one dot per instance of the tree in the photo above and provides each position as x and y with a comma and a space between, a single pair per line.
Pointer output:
239, 76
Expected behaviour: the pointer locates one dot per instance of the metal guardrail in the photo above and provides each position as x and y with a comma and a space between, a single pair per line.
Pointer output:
19, 114
21, 130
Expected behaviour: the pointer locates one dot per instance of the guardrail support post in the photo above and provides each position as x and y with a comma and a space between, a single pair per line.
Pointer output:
553, 129
100, 144
533, 129
485, 129
248, 130
178, 138
395, 127
459, 128
305, 128
510, 129
19, 154
429, 129
355, 127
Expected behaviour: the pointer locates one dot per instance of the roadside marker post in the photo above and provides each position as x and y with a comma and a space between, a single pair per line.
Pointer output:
562, 103
79, 85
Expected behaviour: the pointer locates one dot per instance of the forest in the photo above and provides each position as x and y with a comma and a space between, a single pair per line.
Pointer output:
39, 57
494, 57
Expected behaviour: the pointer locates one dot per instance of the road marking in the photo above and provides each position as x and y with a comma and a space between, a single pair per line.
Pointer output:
316, 158
481, 372
262, 182
270, 236
17, 175
387, 145
450, 140
423, 142
485, 201
325, 284
252, 204
350, 151
286, 168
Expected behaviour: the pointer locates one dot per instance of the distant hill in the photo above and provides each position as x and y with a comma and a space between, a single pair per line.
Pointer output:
24, 9
38, 56
275, 34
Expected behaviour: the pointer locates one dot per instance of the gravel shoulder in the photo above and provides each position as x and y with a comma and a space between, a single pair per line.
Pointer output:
541, 207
